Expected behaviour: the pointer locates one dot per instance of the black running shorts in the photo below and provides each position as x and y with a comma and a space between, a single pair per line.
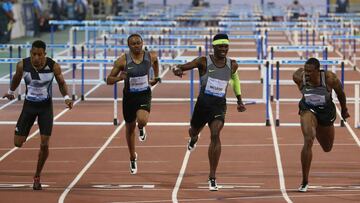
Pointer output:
325, 115
207, 109
132, 102
43, 111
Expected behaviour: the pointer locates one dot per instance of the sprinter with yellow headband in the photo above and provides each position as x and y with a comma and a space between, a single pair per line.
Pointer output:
215, 73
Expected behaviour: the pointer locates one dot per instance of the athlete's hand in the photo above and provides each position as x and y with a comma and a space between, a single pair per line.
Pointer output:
241, 106
69, 103
178, 72
345, 114
9, 96
154, 81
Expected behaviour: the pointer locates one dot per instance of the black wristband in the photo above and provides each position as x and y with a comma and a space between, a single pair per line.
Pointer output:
158, 79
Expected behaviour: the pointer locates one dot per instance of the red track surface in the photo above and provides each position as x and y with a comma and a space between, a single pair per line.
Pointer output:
248, 170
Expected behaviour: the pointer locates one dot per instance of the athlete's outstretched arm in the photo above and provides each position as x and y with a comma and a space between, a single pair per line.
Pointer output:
199, 63
335, 83
155, 65
62, 85
119, 66
15, 81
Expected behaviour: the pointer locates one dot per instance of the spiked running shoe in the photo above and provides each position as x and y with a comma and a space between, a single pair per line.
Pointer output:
142, 134
37, 184
133, 165
212, 184
191, 145
303, 188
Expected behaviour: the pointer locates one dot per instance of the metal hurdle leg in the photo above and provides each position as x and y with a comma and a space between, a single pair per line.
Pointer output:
357, 106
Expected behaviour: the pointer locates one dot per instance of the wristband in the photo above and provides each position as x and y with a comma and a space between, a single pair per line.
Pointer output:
11, 92
66, 97
158, 79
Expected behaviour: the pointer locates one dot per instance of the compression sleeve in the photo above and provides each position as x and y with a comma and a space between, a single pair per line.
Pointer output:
235, 83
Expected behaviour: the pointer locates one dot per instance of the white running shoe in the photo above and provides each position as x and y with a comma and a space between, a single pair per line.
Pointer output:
191, 145
133, 165
303, 187
142, 135
212, 184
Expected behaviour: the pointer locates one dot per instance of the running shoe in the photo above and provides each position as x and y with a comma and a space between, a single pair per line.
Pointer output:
191, 145
142, 134
303, 187
133, 165
212, 184
37, 184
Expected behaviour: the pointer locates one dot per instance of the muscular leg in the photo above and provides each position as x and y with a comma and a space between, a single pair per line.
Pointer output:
43, 154
214, 150
308, 127
142, 117
130, 138
325, 135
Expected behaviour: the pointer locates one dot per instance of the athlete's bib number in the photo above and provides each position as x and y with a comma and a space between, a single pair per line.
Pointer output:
139, 84
216, 87
37, 93
314, 99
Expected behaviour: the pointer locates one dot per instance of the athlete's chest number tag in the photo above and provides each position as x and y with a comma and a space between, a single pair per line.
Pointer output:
138, 84
215, 87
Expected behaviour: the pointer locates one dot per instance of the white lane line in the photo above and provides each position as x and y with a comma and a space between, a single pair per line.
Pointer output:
88, 165
351, 131
278, 158
37, 131
97, 154
180, 177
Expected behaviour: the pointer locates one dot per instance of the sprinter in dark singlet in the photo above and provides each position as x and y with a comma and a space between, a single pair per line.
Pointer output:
215, 73
317, 110
133, 67
38, 72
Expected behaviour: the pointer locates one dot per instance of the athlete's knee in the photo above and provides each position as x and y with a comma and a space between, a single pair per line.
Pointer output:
308, 141
215, 137
18, 144
19, 141
327, 148
44, 147
142, 122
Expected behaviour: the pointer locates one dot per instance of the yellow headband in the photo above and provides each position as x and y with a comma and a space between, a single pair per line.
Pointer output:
220, 41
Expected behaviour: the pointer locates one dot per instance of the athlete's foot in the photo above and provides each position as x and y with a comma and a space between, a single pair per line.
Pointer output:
142, 134
37, 184
133, 165
303, 187
192, 144
212, 184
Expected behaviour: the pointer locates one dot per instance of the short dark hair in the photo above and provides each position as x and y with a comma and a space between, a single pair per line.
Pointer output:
220, 36
134, 35
314, 62
39, 44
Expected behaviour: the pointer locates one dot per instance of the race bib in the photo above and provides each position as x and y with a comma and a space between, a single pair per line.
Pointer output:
216, 87
315, 99
139, 84
37, 93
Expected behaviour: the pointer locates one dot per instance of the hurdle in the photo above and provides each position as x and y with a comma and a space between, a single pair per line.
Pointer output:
357, 106
351, 49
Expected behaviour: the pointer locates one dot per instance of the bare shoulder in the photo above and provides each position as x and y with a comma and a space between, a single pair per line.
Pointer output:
331, 78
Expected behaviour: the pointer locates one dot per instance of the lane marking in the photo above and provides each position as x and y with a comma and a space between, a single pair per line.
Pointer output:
278, 158
96, 155
37, 131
